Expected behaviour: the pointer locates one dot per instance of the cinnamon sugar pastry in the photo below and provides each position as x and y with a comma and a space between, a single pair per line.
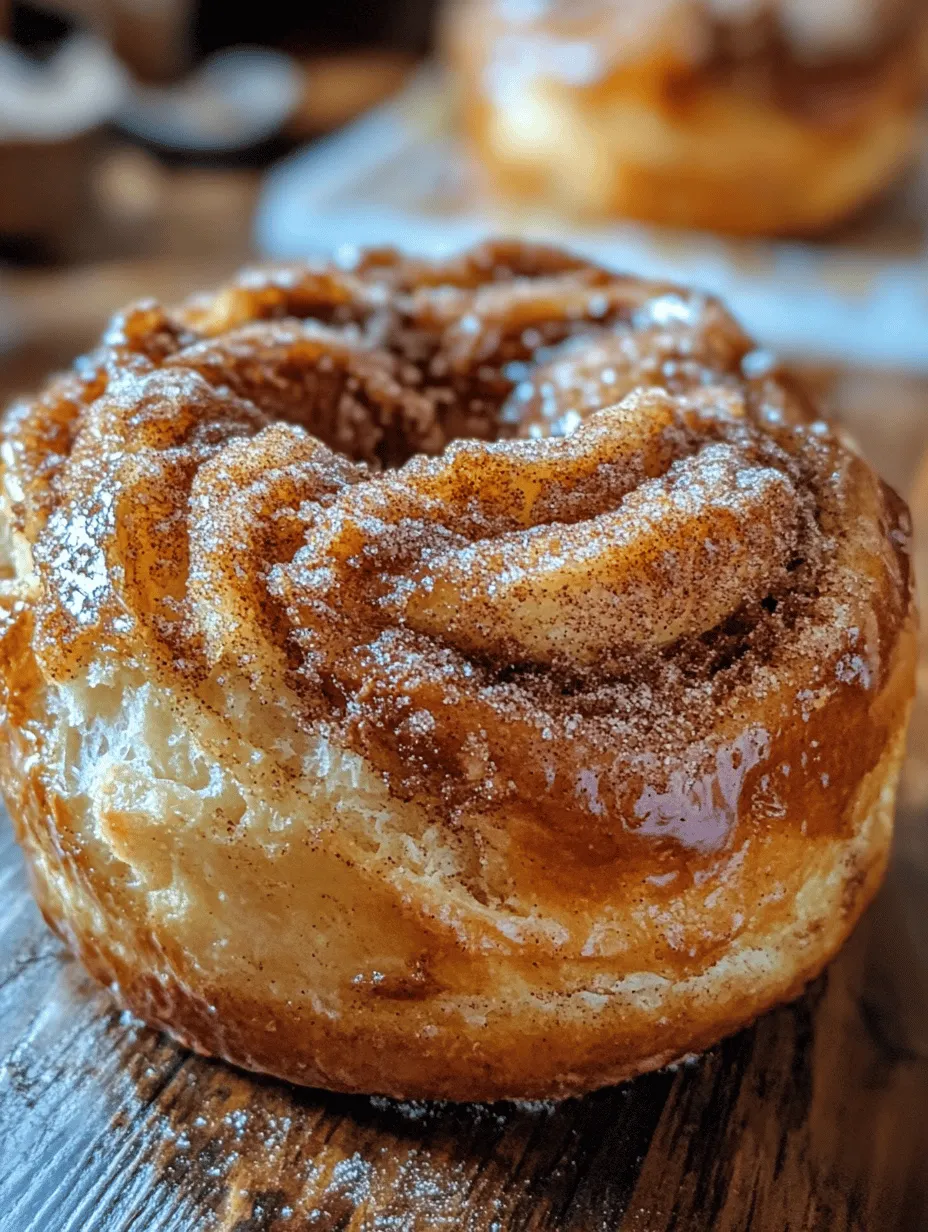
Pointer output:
466, 680
749, 116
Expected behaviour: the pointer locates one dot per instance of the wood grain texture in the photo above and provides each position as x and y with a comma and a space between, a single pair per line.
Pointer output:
815, 1118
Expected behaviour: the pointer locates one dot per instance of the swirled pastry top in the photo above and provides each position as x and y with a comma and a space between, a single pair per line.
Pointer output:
523, 533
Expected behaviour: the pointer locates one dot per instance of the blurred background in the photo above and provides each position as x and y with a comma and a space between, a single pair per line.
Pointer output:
134, 135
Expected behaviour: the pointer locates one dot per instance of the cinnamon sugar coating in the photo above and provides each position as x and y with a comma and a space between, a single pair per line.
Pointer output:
576, 575
243, 487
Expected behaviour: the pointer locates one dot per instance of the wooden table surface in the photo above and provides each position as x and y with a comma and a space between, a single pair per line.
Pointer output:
814, 1118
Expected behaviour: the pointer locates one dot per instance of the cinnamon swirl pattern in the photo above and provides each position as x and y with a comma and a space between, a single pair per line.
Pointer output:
472, 679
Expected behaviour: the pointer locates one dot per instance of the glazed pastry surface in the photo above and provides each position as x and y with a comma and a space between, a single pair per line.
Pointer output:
470, 679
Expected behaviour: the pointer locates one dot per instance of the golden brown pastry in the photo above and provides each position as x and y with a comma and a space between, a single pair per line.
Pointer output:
471, 680
747, 116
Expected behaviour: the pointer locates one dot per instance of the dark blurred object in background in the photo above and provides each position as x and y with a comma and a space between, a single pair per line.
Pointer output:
91, 89
60, 86
403, 25
159, 39
152, 38
352, 55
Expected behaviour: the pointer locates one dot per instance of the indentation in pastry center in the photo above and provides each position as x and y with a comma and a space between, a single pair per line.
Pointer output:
636, 531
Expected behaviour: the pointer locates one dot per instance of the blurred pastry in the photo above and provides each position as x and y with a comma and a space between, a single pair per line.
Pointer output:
389, 761
747, 116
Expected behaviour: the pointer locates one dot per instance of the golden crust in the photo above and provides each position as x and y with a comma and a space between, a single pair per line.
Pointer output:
303, 762
395, 1039
688, 122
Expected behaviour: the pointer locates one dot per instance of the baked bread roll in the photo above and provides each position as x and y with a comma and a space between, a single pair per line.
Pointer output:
745, 116
472, 680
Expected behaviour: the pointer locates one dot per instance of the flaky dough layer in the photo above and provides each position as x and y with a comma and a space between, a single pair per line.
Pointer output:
385, 760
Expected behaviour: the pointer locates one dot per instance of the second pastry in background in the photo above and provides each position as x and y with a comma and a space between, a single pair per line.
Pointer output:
744, 116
